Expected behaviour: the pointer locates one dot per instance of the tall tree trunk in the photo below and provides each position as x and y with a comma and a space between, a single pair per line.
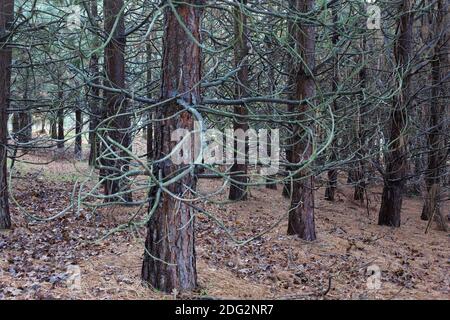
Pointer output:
169, 258
360, 183
149, 128
394, 177
438, 116
301, 215
116, 103
290, 70
94, 92
270, 41
238, 171
6, 18
333, 173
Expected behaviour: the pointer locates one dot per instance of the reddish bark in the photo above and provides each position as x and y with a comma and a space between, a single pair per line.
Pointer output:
169, 258
301, 216
116, 103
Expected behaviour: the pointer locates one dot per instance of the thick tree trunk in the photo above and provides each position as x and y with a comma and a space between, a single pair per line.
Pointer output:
25, 126
116, 103
6, 18
438, 117
169, 258
394, 177
238, 171
301, 216
332, 182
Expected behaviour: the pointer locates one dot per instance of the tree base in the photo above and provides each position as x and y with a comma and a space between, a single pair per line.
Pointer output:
391, 205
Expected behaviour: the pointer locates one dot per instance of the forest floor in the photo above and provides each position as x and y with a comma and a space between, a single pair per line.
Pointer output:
34, 256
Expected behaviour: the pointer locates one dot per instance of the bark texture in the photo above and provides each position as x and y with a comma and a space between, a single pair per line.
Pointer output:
118, 122
95, 115
6, 18
169, 258
238, 171
438, 117
394, 177
301, 216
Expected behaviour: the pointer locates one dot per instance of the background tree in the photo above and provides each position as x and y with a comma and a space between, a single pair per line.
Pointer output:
438, 115
396, 157
239, 178
301, 216
6, 20
118, 137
